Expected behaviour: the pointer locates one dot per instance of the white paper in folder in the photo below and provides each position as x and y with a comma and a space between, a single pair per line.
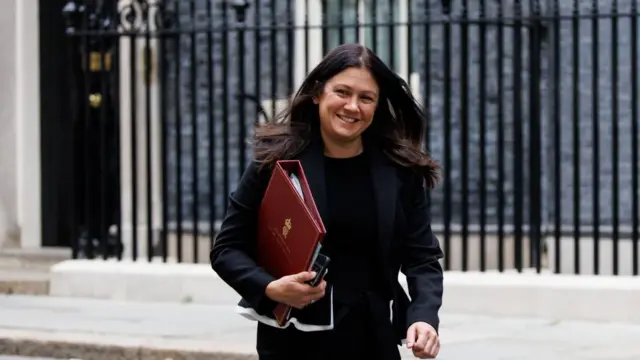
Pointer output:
296, 184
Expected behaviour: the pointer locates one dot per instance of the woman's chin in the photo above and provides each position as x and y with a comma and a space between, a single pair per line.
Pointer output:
347, 130
346, 137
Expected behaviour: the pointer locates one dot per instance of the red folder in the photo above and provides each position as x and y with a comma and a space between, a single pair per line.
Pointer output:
290, 230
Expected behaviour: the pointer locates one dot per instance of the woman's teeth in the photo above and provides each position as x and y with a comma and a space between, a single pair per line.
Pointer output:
347, 119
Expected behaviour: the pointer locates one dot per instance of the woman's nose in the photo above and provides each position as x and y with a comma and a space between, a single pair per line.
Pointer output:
352, 105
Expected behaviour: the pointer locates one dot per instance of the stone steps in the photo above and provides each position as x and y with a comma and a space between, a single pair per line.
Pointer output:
24, 282
26, 272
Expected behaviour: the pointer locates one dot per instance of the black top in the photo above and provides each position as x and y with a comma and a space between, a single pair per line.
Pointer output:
352, 237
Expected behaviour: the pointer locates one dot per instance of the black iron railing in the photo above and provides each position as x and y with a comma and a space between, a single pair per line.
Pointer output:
533, 106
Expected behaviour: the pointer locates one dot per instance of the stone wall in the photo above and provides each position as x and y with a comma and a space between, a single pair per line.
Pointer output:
437, 107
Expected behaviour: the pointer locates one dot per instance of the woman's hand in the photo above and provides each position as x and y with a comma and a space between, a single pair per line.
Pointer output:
292, 290
423, 340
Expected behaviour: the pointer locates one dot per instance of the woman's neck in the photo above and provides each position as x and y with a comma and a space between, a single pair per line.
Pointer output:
347, 150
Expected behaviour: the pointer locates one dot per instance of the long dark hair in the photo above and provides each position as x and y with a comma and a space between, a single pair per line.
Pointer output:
398, 124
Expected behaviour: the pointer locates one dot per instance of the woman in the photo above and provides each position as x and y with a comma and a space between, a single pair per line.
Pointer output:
358, 133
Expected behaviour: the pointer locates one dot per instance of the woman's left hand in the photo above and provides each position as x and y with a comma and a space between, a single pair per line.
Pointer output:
423, 340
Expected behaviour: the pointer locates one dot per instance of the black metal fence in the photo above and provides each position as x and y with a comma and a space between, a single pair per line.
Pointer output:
533, 105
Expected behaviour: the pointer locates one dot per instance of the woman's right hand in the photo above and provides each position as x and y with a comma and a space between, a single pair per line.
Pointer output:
293, 290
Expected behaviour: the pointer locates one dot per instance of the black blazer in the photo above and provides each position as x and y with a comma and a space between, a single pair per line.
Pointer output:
407, 242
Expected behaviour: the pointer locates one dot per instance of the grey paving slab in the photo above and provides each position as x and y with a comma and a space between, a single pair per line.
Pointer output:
25, 358
192, 327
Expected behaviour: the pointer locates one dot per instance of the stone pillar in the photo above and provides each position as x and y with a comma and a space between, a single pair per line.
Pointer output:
8, 176
19, 125
27, 90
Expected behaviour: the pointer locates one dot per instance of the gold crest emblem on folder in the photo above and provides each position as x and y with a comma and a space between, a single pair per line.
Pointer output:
286, 227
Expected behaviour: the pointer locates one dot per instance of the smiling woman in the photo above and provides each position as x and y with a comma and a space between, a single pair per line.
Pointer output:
358, 133
346, 108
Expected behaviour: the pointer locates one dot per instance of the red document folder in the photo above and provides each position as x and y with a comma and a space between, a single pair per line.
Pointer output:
290, 230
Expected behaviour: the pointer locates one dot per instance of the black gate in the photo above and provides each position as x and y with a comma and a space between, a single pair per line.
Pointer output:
534, 109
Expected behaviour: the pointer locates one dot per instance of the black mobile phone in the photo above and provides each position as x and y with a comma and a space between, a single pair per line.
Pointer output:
320, 266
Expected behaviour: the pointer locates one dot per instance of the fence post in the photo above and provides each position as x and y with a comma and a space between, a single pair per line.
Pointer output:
71, 14
535, 149
240, 6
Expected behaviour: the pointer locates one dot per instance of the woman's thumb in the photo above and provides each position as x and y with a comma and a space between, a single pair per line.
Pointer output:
305, 276
411, 336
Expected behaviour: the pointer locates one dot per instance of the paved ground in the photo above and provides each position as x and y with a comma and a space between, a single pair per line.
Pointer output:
218, 328
24, 358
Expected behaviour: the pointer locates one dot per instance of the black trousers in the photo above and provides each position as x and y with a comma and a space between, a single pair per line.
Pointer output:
352, 338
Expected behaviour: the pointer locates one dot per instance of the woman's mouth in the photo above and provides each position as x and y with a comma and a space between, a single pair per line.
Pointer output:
347, 119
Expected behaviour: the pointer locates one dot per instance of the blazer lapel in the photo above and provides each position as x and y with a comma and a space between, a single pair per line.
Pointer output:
384, 183
312, 160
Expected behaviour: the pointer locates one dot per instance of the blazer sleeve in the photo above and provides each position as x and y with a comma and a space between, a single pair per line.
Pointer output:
420, 262
234, 251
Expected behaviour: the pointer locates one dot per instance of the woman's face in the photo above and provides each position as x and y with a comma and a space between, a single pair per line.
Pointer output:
347, 105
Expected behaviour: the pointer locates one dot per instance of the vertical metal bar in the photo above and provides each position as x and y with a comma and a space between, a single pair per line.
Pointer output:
88, 219
274, 59
595, 119
290, 47
615, 136
518, 158
557, 136
427, 79
211, 130
464, 131
341, 22
391, 26
535, 172
72, 53
148, 138
225, 105
446, 40
482, 111
257, 57
501, 137
193, 67
133, 61
374, 26
575, 39
164, 133
104, 171
358, 20
178, 132
325, 27
409, 54
242, 117
117, 145
306, 37
635, 167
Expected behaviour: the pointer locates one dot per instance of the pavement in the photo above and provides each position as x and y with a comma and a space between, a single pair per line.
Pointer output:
25, 358
64, 328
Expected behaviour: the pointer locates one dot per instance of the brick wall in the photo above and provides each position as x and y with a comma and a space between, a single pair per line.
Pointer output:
222, 119
436, 108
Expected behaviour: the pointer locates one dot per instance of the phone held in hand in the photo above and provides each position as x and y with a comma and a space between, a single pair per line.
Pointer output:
321, 267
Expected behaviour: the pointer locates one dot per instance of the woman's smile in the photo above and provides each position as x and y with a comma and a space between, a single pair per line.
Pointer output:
348, 119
